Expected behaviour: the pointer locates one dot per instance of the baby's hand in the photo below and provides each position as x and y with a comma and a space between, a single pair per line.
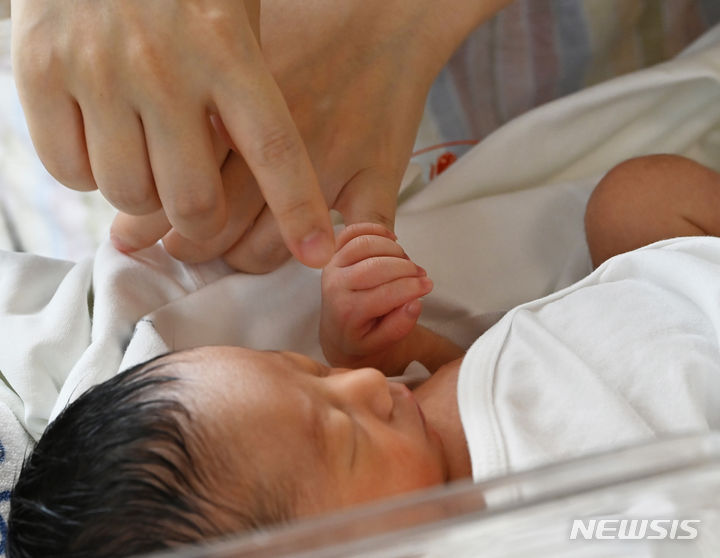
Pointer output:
370, 297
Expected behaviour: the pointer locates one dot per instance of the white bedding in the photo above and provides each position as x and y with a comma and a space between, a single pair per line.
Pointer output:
500, 227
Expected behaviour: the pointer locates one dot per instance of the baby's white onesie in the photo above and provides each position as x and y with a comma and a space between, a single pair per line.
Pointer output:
627, 354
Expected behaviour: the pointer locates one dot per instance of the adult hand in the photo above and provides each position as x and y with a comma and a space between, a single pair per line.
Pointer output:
355, 75
119, 95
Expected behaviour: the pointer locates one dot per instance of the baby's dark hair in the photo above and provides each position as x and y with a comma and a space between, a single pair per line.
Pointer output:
116, 475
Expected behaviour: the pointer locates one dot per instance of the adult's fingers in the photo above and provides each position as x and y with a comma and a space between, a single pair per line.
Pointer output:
371, 196
53, 116
134, 232
118, 158
56, 126
244, 203
261, 249
129, 233
260, 125
182, 156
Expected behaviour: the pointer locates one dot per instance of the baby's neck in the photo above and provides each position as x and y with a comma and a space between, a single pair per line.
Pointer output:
438, 399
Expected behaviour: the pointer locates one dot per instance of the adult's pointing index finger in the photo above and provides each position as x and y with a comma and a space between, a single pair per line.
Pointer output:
261, 127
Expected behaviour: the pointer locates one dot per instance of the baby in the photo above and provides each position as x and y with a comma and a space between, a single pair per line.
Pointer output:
217, 440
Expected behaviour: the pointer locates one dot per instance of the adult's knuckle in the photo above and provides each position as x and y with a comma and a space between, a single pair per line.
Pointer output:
276, 148
34, 65
194, 203
150, 63
218, 36
36, 49
90, 55
130, 198
222, 56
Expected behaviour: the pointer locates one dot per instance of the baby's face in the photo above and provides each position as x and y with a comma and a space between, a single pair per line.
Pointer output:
342, 436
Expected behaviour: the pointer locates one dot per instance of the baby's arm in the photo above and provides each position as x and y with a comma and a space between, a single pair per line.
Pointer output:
651, 198
371, 302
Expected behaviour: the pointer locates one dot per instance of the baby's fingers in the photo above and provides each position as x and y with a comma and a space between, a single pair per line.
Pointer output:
376, 271
367, 246
360, 229
386, 298
396, 325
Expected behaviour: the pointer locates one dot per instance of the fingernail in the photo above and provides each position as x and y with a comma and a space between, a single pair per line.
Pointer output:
414, 308
426, 283
316, 249
421, 271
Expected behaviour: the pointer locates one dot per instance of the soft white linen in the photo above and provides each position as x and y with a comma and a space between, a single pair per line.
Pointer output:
626, 354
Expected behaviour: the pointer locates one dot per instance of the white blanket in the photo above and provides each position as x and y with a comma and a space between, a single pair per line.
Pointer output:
502, 226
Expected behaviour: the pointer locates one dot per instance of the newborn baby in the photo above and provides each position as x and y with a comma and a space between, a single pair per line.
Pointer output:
217, 440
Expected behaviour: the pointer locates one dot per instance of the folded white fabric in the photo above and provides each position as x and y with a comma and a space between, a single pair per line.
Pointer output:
629, 353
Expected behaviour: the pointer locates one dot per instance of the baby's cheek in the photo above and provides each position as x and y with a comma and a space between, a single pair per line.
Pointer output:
420, 466
405, 469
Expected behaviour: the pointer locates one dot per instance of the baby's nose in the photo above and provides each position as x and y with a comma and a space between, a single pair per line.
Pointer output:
366, 388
